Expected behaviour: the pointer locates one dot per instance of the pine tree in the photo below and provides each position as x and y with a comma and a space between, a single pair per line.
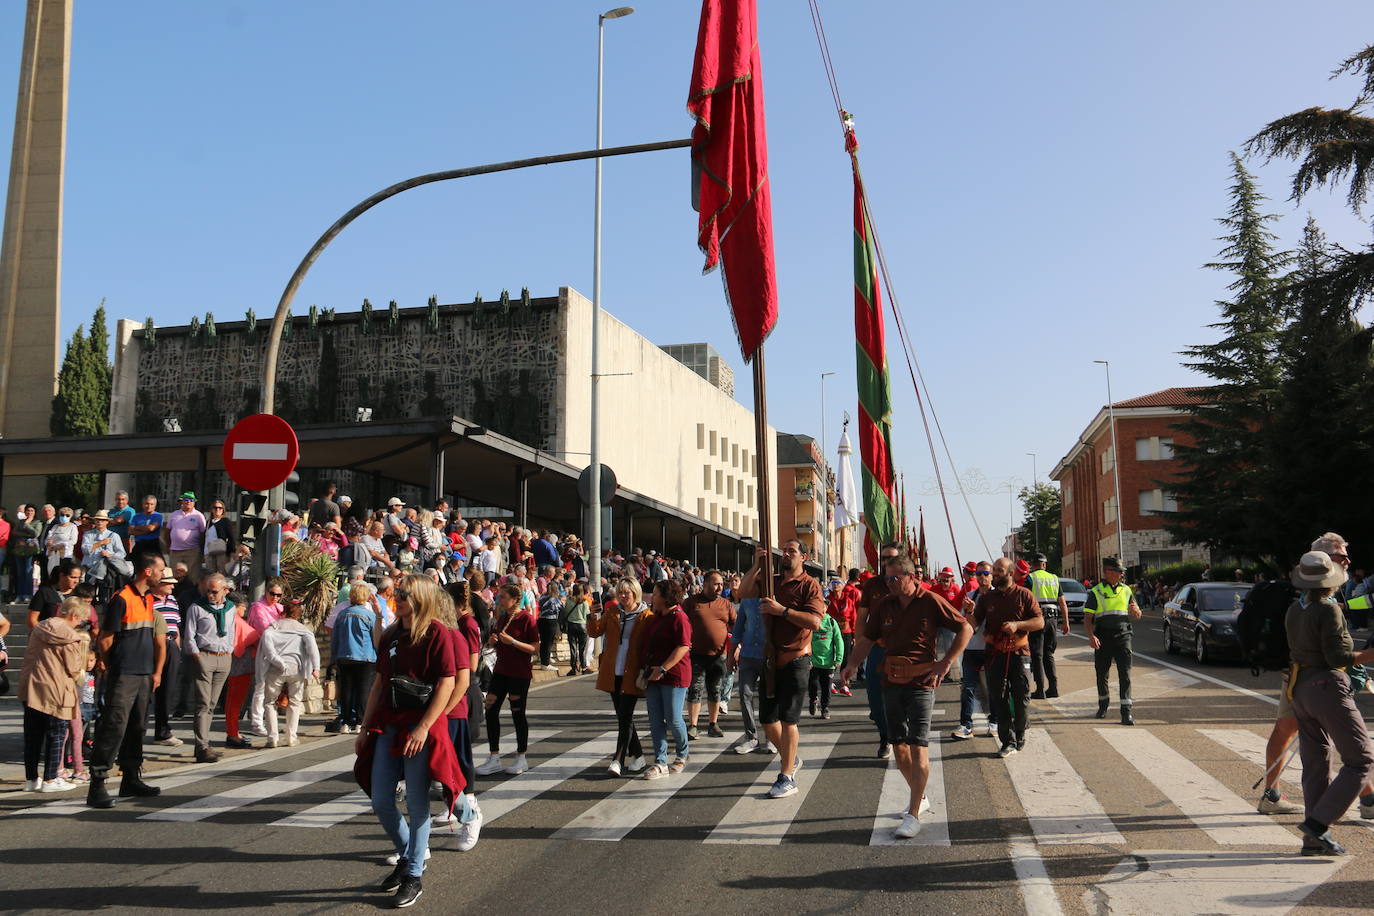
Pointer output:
1222, 474
82, 406
100, 354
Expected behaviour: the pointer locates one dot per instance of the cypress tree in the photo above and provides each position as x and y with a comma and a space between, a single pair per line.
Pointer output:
1222, 476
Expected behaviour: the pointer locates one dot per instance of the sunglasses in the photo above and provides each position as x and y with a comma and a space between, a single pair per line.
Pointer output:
983, 572
896, 578
276, 594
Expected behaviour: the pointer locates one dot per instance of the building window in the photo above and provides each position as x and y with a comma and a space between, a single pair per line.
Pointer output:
1155, 501
724, 449
1068, 533
701, 507
734, 455
735, 522
1108, 459
1108, 510
751, 496
1154, 448
744, 461
713, 442
720, 482
730, 486
712, 516
1068, 493
701, 435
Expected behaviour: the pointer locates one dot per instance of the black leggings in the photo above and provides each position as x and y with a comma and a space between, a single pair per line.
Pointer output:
43, 738
819, 683
627, 736
577, 646
502, 686
353, 681
462, 747
548, 639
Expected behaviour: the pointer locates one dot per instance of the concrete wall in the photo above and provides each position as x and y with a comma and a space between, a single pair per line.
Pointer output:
663, 427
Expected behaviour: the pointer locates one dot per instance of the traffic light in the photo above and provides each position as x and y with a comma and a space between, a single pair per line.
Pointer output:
290, 498
251, 506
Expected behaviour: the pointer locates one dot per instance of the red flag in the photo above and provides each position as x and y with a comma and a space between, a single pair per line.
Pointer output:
730, 166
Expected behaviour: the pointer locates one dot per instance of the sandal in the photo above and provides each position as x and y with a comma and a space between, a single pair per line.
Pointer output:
678, 765
657, 771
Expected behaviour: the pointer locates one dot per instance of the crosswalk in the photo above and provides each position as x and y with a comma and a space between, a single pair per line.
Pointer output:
1064, 801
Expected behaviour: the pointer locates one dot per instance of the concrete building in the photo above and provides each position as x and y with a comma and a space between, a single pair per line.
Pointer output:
519, 367
1090, 518
703, 359
31, 256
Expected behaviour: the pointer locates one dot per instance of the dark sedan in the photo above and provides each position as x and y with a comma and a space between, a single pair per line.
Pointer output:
1201, 619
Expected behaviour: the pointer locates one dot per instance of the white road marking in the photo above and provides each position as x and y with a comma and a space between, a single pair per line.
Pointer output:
1037, 890
185, 776
1208, 881
757, 819
893, 799
1272, 701
1145, 685
1247, 744
496, 803
633, 802
1226, 817
330, 813
198, 809
259, 451
1057, 802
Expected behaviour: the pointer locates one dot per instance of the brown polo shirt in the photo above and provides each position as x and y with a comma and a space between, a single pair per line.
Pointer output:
870, 591
791, 640
907, 628
711, 623
1003, 605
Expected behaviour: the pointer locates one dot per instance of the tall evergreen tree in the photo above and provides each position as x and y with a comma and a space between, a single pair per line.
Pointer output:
100, 357
82, 406
1221, 478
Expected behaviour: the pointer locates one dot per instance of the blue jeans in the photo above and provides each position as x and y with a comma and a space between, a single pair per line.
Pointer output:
665, 708
873, 682
973, 665
23, 578
410, 835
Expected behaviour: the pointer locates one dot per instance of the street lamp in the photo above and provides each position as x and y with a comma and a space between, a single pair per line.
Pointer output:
1116, 464
825, 484
1035, 483
594, 503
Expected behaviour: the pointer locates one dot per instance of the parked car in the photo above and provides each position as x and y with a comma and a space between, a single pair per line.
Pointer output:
1201, 619
1075, 596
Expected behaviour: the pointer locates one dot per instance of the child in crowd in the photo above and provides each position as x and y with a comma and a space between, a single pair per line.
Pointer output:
827, 654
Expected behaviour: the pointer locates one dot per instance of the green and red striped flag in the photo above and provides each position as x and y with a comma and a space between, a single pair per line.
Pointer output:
875, 390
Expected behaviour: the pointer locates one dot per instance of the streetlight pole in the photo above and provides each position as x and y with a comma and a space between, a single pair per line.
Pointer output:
825, 484
1035, 483
1116, 464
594, 446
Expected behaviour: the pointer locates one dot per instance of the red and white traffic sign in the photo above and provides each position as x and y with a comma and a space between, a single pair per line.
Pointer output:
260, 452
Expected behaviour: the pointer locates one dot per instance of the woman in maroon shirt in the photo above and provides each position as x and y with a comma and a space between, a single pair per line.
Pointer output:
516, 638
417, 646
667, 641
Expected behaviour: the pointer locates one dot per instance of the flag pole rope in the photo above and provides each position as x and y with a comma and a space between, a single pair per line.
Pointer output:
908, 349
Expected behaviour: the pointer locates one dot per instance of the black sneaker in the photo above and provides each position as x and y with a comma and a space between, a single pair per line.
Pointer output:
1038, 695
408, 893
813, 707
392, 882
1319, 844
1052, 693
1102, 709
238, 741
333, 728
884, 751
715, 731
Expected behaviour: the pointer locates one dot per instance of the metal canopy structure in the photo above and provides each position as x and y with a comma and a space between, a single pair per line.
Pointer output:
439, 455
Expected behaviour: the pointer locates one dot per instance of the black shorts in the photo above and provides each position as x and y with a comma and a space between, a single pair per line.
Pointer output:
707, 673
908, 712
789, 689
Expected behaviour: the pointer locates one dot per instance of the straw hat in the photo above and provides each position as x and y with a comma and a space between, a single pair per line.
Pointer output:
1317, 570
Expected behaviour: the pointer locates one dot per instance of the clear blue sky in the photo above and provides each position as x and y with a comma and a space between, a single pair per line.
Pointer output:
1045, 179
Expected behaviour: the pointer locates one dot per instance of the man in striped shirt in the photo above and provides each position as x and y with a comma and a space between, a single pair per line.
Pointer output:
165, 695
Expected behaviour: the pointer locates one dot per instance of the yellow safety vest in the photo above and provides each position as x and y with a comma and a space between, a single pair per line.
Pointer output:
1044, 585
1111, 602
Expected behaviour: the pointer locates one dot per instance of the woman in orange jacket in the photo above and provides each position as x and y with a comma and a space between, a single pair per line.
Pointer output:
621, 622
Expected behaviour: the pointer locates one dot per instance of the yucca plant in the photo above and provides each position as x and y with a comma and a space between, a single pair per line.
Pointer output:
312, 578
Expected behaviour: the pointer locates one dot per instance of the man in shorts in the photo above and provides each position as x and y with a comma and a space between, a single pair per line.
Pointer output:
906, 622
795, 611
711, 617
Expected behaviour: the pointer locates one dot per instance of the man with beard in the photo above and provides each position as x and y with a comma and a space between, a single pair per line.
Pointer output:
1006, 615
869, 594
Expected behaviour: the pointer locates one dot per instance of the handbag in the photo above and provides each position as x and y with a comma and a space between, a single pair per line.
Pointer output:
409, 694
642, 680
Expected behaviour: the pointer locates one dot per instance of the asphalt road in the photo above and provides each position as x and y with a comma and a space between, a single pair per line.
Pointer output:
1093, 817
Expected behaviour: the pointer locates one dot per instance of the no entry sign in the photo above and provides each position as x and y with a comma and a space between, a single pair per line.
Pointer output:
260, 452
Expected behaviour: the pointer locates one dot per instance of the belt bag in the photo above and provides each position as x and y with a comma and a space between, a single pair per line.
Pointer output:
409, 694
899, 671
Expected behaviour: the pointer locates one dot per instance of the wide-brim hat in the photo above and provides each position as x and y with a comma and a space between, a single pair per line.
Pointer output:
101, 516
167, 577
1317, 570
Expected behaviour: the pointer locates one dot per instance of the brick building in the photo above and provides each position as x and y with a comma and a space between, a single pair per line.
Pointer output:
1089, 516
801, 492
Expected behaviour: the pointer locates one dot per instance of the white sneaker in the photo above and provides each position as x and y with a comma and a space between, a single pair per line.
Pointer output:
443, 818
519, 766
259, 730
725, 709
924, 807
33, 785
908, 828
492, 765
396, 857
550, 667
271, 742
990, 730
1007, 751
468, 833
962, 732
1282, 805
745, 747
169, 742
614, 768
635, 765
57, 785
292, 742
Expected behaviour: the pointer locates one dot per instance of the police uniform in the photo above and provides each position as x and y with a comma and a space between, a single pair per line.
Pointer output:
1044, 585
1110, 610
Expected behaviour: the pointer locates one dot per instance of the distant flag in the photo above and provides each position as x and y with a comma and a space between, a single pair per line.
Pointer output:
847, 507
730, 190
923, 555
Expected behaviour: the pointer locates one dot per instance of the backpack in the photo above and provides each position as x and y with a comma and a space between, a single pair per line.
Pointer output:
1260, 626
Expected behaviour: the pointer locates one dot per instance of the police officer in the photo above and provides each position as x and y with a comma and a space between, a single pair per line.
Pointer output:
1107, 618
1044, 585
